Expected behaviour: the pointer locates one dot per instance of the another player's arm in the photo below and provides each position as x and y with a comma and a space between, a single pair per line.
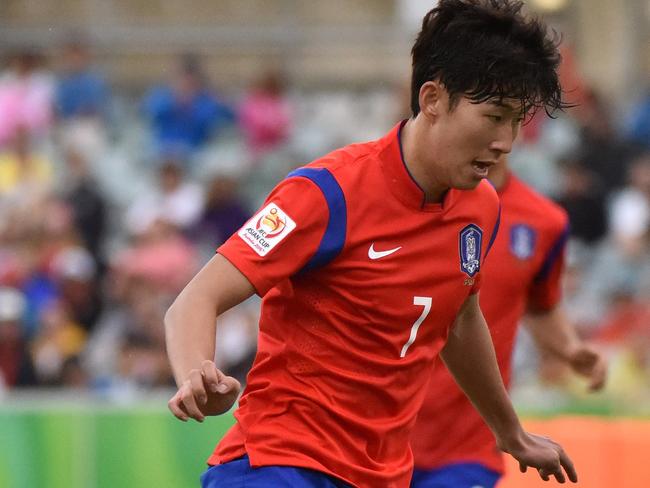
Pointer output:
190, 329
554, 334
469, 356
548, 323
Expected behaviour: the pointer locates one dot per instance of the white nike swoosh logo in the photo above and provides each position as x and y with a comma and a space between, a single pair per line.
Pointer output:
372, 254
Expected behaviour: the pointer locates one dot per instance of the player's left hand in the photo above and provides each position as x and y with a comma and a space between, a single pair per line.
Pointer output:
543, 454
586, 361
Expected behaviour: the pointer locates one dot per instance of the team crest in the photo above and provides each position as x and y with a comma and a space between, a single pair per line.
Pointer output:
522, 241
266, 229
470, 239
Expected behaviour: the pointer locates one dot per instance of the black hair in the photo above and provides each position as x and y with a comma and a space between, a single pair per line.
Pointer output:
485, 50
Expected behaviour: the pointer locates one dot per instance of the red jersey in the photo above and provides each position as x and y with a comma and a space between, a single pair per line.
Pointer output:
523, 272
361, 281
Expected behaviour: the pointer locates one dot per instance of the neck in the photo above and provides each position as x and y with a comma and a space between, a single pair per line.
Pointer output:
423, 174
499, 174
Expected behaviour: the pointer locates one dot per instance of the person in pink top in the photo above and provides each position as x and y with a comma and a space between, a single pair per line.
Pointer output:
265, 115
26, 95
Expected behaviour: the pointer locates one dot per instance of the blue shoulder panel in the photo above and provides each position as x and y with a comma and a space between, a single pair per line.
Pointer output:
554, 253
334, 238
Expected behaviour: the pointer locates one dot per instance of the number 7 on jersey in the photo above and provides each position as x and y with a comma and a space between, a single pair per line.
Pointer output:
423, 302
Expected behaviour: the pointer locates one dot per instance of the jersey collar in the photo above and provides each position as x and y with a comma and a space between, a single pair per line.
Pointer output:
399, 179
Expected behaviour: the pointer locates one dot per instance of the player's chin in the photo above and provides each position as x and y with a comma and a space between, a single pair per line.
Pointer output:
468, 183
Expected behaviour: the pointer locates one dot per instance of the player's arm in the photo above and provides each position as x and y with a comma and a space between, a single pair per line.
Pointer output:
469, 356
554, 334
190, 329
244, 264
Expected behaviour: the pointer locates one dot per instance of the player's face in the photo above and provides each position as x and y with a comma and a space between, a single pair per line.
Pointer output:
472, 137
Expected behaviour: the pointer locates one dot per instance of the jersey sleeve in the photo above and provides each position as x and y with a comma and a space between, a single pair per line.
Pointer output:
282, 236
546, 290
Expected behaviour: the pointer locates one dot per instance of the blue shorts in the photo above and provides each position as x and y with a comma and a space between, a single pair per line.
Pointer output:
239, 474
459, 475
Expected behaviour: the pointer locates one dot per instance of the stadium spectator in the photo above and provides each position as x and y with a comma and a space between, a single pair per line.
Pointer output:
101, 355
224, 212
265, 115
185, 113
142, 361
81, 89
638, 129
623, 258
26, 92
583, 200
602, 150
59, 339
26, 177
159, 255
12, 268
126, 349
32, 244
174, 199
74, 272
36, 284
630, 215
82, 100
87, 203
16, 367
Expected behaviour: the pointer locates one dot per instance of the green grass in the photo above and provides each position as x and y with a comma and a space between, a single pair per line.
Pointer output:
120, 448
88, 444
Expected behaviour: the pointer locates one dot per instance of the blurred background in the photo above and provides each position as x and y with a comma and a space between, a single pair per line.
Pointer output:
136, 136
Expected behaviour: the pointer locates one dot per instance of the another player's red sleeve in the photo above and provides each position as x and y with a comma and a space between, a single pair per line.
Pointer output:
281, 237
546, 290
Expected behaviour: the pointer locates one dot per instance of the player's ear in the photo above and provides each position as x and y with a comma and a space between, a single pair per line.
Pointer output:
432, 94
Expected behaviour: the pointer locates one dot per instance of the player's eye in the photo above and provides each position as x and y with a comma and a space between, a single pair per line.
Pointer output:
496, 118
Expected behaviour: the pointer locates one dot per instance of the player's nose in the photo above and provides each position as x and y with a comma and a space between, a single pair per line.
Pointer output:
502, 143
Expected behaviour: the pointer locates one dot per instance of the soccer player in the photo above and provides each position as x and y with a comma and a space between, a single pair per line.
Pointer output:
369, 264
452, 446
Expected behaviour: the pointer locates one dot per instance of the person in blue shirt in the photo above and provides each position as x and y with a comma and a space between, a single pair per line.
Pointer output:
82, 90
639, 123
185, 113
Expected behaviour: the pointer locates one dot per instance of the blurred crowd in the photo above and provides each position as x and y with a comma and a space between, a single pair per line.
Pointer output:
110, 201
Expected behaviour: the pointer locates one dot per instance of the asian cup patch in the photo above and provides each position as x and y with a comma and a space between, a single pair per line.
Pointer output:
267, 229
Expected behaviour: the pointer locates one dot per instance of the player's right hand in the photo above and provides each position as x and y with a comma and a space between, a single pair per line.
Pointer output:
543, 454
590, 363
206, 391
